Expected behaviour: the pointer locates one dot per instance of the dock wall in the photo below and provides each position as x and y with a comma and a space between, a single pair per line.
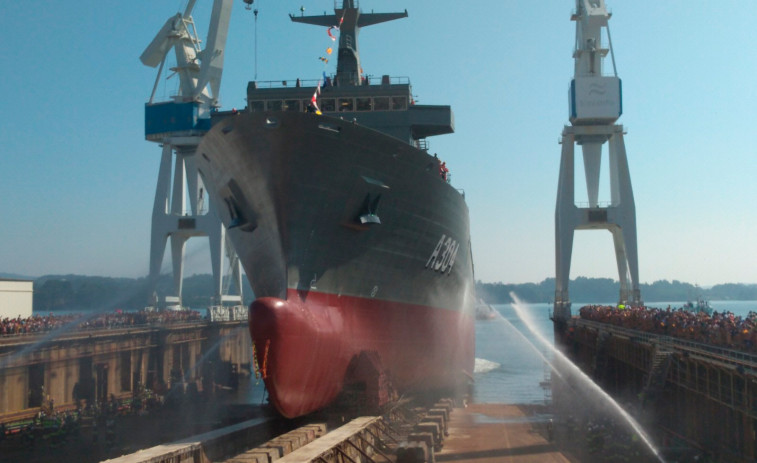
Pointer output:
63, 368
693, 394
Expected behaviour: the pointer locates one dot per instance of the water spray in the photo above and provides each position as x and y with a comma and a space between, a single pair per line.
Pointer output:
519, 307
531, 345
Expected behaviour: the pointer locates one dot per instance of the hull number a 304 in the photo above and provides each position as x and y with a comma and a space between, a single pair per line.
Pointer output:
443, 257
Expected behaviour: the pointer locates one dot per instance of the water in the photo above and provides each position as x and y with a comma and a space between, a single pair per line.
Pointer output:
584, 382
510, 371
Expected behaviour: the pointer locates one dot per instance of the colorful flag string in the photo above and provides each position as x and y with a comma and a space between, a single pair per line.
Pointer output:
325, 60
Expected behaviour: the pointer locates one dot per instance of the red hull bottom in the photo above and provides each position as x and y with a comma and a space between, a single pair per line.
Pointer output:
307, 346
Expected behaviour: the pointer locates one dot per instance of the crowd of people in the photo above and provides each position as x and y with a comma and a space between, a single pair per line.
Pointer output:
722, 329
83, 321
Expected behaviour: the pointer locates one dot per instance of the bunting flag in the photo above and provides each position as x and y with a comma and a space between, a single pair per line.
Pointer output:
325, 82
314, 101
328, 31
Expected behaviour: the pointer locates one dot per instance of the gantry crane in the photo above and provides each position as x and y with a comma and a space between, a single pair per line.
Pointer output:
595, 106
178, 125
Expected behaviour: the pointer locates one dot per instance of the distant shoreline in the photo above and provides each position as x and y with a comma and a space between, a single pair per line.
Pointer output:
87, 293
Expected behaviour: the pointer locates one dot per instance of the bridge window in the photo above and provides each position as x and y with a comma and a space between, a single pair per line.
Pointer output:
399, 103
346, 104
291, 105
257, 106
328, 105
381, 103
363, 104
273, 105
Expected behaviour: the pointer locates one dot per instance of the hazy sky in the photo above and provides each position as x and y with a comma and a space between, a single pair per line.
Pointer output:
77, 178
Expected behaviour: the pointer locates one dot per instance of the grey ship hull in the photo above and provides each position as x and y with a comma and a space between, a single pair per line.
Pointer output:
302, 196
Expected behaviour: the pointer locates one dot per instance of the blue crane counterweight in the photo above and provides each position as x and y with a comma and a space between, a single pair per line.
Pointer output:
164, 119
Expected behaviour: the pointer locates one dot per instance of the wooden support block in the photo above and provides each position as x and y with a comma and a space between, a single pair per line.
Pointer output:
281, 443
433, 428
425, 437
440, 411
415, 452
305, 436
318, 428
449, 403
296, 440
257, 457
271, 453
438, 419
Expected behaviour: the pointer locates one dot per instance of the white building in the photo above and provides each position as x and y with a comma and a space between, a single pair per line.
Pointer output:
16, 298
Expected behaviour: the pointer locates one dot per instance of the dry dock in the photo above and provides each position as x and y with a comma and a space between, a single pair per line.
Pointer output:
474, 433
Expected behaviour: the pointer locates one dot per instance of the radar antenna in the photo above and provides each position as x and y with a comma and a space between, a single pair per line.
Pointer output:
349, 19
595, 106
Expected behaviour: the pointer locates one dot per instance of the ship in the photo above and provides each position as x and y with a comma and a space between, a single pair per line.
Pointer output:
355, 242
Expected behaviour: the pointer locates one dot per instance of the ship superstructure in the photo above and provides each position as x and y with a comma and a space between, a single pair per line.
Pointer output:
386, 105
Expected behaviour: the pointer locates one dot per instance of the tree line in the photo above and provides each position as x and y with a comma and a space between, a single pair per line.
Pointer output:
77, 292
81, 293
606, 290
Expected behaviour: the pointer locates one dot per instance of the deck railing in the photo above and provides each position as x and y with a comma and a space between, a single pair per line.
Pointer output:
294, 83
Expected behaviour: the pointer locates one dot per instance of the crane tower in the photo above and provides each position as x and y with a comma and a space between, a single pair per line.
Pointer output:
182, 209
595, 106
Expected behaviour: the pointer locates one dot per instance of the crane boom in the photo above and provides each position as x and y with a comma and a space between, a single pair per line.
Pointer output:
199, 70
212, 56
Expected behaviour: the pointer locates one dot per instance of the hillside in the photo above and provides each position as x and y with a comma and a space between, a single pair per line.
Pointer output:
605, 290
77, 292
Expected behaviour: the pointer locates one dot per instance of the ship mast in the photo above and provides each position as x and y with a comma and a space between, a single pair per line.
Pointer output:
349, 19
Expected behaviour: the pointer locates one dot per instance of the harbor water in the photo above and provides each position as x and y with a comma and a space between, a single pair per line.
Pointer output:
511, 370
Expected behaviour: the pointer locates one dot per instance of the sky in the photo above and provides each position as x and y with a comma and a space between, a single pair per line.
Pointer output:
77, 178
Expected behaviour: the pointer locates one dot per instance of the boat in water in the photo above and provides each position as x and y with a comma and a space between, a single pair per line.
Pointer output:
700, 304
356, 245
